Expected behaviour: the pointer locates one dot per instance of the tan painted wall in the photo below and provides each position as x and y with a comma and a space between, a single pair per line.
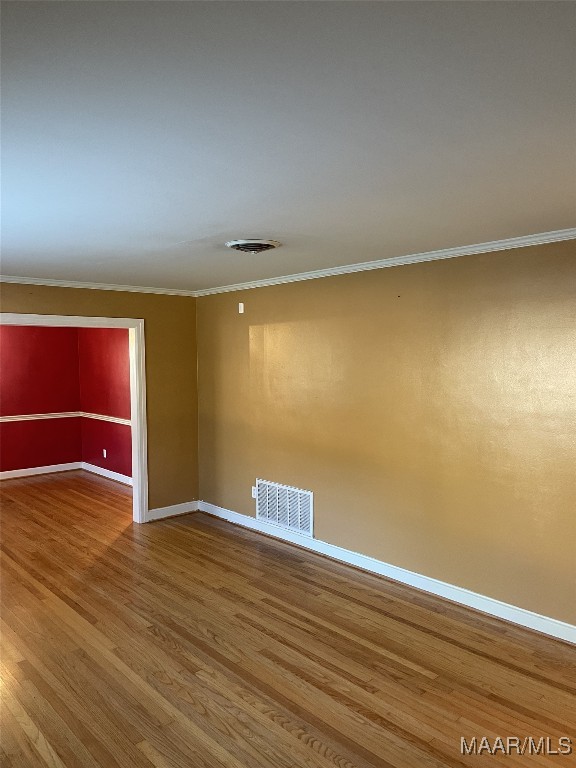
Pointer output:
170, 333
431, 408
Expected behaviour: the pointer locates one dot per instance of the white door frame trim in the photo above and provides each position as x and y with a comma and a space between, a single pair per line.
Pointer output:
137, 388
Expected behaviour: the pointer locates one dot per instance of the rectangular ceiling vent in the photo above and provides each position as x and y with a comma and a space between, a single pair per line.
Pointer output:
287, 507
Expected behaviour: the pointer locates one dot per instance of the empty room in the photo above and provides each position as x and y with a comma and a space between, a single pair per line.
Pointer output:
287, 386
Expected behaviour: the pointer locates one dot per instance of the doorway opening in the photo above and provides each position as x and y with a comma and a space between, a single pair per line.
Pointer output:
137, 420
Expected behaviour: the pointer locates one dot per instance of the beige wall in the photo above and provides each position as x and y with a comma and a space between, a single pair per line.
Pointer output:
170, 333
431, 408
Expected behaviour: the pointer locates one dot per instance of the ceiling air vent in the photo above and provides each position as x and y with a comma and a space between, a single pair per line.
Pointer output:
253, 246
287, 507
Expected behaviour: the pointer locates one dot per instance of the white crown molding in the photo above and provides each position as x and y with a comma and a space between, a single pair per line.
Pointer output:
489, 605
93, 286
524, 241
65, 415
397, 261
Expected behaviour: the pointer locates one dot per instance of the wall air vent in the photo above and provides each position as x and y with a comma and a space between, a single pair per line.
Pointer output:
287, 507
255, 245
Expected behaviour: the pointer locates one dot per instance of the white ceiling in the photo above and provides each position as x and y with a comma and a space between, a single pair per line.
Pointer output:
140, 136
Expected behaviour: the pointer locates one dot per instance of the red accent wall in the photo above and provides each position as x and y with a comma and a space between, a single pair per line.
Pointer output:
54, 370
116, 438
104, 365
39, 443
104, 375
39, 370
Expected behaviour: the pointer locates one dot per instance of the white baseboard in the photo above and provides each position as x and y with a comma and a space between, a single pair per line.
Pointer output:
106, 473
8, 474
49, 468
174, 509
489, 605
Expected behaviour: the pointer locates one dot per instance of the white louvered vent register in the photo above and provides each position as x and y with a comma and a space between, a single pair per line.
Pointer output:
290, 508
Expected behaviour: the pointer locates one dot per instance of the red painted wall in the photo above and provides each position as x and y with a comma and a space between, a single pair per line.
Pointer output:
39, 370
117, 440
52, 370
104, 365
104, 375
39, 443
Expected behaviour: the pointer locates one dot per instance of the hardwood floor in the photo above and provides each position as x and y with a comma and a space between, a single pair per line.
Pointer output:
191, 643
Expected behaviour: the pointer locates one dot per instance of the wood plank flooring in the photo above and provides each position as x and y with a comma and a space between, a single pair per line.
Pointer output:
191, 643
